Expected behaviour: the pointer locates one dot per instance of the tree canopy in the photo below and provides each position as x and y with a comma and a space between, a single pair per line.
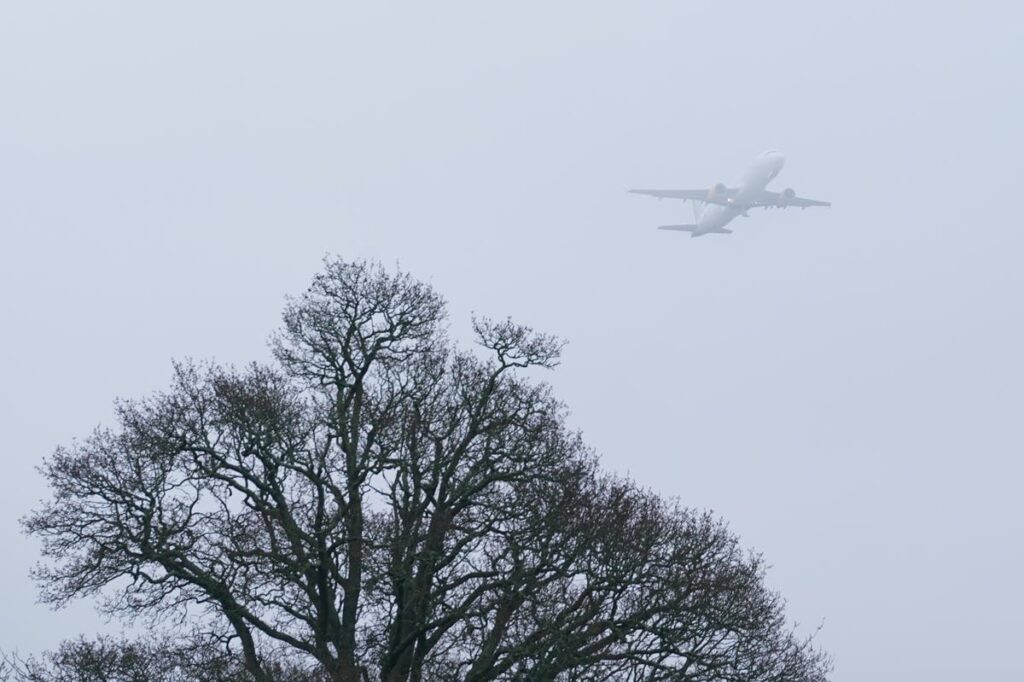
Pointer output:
381, 504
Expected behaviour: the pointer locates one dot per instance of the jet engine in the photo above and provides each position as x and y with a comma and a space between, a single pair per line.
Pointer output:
786, 196
718, 193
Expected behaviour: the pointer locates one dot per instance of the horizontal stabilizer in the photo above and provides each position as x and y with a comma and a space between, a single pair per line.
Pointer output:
693, 230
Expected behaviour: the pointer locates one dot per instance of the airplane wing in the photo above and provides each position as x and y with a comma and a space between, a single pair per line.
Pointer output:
783, 199
720, 194
693, 194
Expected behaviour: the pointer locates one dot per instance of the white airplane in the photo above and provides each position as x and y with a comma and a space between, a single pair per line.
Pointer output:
721, 204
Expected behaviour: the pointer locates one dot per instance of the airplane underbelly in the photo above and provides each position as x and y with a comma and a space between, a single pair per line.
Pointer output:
745, 197
749, 192
715, 218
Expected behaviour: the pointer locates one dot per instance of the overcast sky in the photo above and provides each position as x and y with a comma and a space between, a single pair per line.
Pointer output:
844, 385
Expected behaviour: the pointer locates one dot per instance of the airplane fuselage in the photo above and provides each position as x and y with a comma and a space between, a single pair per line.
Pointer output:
715, 216
716, 207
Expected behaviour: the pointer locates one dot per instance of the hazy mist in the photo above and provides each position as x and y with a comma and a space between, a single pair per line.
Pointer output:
844, 385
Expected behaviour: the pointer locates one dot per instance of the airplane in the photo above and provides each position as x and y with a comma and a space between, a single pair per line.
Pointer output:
721, 204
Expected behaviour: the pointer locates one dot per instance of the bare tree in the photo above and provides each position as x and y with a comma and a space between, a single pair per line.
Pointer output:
177, 659
385, 505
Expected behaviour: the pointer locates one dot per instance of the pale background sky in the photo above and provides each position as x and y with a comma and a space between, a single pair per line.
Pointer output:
844, 385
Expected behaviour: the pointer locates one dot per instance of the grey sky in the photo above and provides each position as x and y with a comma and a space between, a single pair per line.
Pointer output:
844, 385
